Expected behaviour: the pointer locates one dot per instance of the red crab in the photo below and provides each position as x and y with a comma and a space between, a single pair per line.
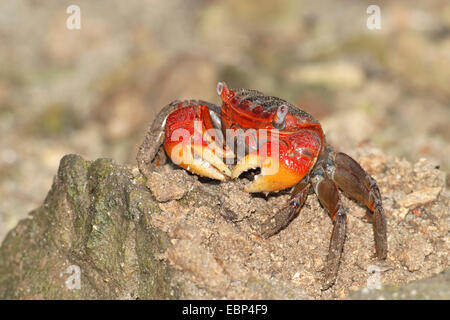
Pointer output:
252, 130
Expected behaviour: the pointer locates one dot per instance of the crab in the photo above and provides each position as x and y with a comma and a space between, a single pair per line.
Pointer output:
253, 131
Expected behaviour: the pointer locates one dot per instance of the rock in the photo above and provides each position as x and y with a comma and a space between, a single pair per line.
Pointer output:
201, 264
415, 249
420, 197
169, 184
89, 240
434, 288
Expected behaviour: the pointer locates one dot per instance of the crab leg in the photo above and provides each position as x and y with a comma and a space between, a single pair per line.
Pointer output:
328, 195
356, 183
154, 138
283, 217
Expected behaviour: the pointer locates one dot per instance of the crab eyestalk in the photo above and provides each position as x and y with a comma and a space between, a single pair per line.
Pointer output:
280, 117
223, 91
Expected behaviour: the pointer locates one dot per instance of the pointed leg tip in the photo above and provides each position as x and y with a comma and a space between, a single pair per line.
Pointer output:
381, 254
331, 272
267, 231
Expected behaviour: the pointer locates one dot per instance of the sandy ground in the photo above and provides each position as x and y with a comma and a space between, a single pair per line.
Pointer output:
217, 256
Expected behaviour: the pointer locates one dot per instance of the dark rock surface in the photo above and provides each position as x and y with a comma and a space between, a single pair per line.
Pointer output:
91, 220
435, 288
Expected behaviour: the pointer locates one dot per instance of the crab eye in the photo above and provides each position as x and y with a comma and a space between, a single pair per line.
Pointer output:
219, 88
278, 121
223, 91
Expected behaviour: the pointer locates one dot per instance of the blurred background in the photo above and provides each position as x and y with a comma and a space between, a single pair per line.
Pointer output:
94, 91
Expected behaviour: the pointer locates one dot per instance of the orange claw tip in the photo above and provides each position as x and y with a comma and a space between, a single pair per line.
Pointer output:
275, 175
283, 179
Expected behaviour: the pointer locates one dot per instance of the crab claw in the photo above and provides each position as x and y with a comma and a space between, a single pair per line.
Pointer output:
189, 145
282, 164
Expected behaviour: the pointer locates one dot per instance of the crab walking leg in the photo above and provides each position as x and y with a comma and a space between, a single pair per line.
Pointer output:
356, 183
154, 138
283, 217
328, 195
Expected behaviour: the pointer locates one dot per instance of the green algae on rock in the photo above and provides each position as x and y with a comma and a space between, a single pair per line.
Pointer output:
92, 222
